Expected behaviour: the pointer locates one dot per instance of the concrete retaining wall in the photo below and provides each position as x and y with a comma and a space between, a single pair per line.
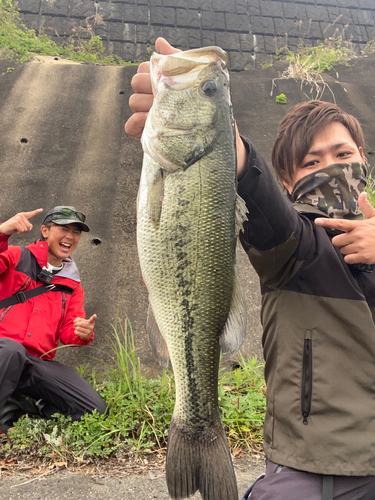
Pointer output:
62, 141
249, 30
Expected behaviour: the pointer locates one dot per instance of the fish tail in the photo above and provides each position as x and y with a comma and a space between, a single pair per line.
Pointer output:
199, 462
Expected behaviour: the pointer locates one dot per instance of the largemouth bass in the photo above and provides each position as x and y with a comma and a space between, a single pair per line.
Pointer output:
188, 219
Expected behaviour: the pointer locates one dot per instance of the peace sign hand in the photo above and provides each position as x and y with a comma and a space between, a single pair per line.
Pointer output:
357, 242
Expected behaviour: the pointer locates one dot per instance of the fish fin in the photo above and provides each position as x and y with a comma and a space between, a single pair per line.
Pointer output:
241, 211
155, 194
234, 331
199, 462
156, 339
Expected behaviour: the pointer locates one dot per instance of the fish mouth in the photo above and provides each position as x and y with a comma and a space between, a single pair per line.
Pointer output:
183, 62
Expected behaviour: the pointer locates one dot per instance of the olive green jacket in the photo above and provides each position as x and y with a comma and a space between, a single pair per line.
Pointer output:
318, 335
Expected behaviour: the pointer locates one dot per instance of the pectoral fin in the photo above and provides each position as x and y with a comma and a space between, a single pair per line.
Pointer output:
156, 340
235, 328
155, 194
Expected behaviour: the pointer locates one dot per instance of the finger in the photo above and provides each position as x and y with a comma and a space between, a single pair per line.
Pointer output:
21, 228
365, 206
82, 335
353, 259
144, 67
135, 125
340, 224
141, 83
92, 319
343, 240
349, 249
33, 213
141, 102
21, 224
163, 47
359, 258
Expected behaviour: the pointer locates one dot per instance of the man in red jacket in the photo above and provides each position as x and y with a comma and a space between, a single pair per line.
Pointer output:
41, 304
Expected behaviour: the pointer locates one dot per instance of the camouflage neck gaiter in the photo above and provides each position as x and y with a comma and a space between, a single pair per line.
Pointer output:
334, 189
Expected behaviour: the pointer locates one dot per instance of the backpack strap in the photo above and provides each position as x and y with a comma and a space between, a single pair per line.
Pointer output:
327, 490
21, 297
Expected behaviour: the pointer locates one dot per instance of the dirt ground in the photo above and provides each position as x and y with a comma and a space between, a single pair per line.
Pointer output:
109, 482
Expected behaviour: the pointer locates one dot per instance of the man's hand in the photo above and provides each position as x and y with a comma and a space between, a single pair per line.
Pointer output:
358, 241
19, 223
84, 327
141, 102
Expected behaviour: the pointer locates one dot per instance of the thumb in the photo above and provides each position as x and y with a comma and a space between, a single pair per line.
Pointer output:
165, 48
92, 319
365, 206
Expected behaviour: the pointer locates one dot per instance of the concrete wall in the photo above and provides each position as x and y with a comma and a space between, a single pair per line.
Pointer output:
62, 141
249, 30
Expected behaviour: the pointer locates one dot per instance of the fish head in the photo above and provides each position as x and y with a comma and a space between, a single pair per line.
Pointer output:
191, 106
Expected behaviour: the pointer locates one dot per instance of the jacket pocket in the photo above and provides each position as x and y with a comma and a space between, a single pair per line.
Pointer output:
306, 377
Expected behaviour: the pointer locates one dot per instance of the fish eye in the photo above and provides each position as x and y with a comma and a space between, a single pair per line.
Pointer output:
209, 88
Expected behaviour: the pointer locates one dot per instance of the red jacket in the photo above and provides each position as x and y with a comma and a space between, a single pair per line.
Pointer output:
40, 323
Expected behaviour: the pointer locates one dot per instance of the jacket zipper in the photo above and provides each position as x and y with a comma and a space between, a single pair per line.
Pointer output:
63, 307
306, 377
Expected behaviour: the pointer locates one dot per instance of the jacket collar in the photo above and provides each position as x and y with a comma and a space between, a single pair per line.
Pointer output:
40, 251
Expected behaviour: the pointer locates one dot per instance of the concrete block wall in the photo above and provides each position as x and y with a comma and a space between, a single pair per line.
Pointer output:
249, 30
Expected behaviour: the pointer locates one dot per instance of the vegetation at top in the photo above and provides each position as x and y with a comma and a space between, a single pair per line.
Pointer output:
324, 56
139, 411
19, 43
307, 63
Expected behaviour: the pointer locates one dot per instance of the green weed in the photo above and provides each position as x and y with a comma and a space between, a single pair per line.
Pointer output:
139, 411
323, 57
21, 44
243, 405
369, 48
370, 188
281, 99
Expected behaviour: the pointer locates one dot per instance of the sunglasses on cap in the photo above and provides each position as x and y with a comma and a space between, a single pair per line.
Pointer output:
68, 212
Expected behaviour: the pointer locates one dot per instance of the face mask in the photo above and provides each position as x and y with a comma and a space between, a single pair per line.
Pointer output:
334, 189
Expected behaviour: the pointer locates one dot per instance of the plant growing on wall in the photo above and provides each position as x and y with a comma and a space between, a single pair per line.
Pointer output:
21, 44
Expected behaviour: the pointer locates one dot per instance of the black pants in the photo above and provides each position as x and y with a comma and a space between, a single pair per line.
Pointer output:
285, 483
60, 388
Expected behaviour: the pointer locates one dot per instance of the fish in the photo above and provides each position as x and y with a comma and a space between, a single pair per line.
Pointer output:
188, 220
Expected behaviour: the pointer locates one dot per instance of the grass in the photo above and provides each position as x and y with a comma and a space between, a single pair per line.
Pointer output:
306, 63
370, 188
324, 56
20, 44
139, 412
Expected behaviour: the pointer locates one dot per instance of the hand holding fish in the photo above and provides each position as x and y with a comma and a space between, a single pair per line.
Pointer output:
141, 102
357, 242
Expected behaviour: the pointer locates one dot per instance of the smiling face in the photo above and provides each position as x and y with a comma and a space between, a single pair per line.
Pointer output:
332, 144
62, 240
